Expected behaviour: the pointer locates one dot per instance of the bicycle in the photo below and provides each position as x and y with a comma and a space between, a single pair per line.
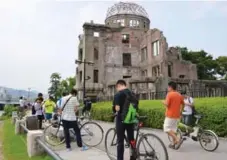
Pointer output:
139, 142
53, 134
197, 133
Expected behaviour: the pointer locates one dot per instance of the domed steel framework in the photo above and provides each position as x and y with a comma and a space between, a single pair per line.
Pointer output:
126, 8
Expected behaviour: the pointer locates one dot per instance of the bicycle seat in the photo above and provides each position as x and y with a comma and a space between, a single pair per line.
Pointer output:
198, 116
141, 117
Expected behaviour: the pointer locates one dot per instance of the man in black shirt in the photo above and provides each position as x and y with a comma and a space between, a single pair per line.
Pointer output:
122, 109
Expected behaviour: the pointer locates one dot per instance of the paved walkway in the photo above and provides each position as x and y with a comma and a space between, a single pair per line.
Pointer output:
188, 151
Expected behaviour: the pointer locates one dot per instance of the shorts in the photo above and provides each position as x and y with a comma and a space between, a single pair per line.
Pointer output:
48, 116
170, 124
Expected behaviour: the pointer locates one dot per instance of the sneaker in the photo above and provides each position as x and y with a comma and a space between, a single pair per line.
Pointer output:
84, 148
68, 149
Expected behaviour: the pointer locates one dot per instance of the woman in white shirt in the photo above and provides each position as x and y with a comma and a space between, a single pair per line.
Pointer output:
39, 111
187, 114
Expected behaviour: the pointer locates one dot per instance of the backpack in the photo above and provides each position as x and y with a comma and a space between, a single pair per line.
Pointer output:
130, 108
33, 109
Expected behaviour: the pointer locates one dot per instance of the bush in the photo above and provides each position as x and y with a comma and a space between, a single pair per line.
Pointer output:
8, 110
213, 109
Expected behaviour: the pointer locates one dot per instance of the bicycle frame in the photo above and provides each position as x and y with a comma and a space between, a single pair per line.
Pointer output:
187, 128
139, 134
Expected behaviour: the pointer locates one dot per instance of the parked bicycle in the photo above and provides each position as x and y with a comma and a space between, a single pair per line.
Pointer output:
142, 149
197, 133
91, 132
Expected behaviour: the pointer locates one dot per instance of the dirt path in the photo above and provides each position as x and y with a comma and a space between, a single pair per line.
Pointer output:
1, 156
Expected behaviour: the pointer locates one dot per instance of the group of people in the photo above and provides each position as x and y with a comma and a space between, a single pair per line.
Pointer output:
67, 106
43, 109
178, 106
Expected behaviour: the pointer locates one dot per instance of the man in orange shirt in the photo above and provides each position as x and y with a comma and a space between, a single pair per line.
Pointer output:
174, 103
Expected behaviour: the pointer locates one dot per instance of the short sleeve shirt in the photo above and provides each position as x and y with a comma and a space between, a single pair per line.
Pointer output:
174, 101
187, 108
68, 112
49, 106
38, 108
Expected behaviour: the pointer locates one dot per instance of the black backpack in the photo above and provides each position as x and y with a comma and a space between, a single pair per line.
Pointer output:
33, 109
130, 108
193, 107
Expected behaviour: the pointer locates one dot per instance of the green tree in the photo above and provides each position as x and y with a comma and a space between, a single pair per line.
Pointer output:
55, 88
67, 84
206, 65
222, 66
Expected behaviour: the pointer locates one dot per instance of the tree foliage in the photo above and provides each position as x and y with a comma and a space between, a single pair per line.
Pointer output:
55, 81
222, 66
207, 67
59, 85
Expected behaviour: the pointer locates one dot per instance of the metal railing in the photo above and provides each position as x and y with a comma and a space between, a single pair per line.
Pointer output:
49, 151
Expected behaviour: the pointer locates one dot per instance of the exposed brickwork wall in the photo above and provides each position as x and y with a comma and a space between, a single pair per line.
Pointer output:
110, 49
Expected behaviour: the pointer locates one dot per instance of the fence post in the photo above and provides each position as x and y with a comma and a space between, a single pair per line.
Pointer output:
14, 117
18, 128
33, 148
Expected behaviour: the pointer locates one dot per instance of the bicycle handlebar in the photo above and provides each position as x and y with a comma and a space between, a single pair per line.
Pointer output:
138, 117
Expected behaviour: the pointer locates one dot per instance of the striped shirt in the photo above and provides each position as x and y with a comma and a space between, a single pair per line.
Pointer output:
68, 112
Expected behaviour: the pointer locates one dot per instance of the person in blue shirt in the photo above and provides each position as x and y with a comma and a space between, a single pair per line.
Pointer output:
60, 100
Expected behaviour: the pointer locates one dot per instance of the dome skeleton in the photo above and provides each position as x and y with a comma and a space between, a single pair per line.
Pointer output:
126, 8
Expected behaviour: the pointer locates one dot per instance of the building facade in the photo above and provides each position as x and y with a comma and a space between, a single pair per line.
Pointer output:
127, 47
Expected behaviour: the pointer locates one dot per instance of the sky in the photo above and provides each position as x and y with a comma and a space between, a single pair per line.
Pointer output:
39, 37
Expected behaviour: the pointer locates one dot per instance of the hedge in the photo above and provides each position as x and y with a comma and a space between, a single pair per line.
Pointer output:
9, 109
213, 109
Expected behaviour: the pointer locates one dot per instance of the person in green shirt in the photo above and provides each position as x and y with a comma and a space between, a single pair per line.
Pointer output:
49, 107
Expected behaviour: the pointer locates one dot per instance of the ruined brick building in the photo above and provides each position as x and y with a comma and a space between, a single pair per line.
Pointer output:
127, 47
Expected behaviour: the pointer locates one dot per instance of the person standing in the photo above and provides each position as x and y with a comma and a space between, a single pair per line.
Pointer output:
49, 107
59, 102
69, 107
187, 114
87, 105
121, 104
174, 102
22, 104
21, 108
39, 111
40, 95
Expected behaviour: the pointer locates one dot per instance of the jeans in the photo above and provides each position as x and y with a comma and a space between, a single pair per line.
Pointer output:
71, 124
121, 127
40, 120
187, 119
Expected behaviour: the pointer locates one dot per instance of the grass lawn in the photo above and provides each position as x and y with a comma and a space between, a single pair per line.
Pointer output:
14, 146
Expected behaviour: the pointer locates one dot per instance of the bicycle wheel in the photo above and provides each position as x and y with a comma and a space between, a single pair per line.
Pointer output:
92, 133
54, 135
206, 137
149, 152
111, 143
179, 135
